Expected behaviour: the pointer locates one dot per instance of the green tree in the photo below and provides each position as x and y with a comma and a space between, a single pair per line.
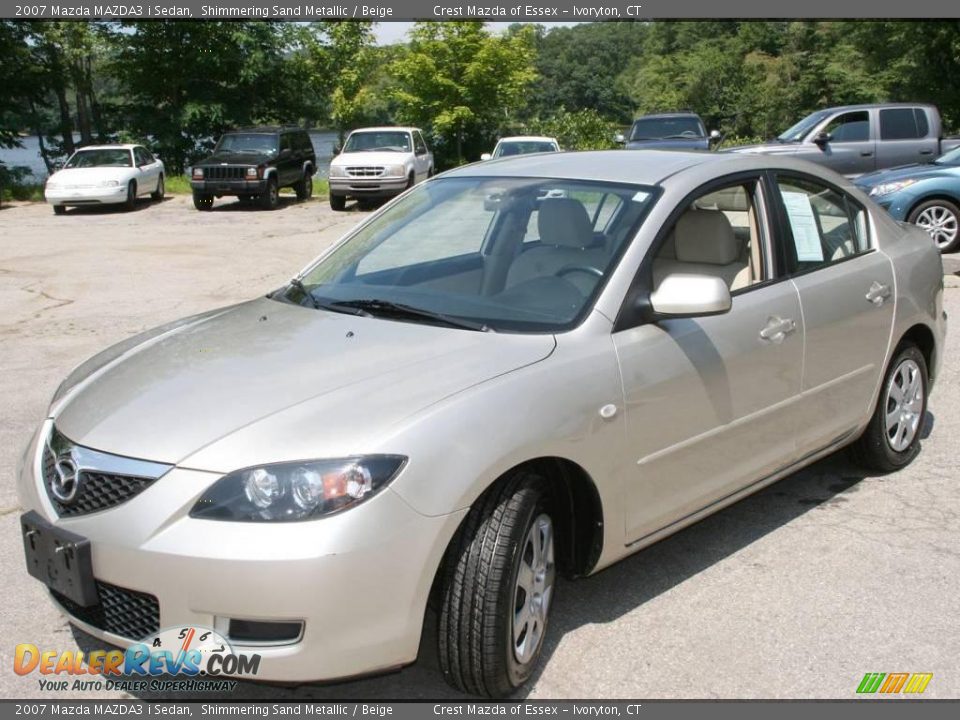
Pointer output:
462, 84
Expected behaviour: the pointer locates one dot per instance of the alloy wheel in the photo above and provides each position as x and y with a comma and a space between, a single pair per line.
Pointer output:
904, 405
534, 589
940, 222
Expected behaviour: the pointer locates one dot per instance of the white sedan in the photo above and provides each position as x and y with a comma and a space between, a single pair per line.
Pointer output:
522, 145
106, 174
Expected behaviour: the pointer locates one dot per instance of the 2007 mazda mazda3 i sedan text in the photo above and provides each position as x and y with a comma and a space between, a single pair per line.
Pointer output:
517, 369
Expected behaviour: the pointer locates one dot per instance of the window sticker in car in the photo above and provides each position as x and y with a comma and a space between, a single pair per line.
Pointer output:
640, 196
806, 236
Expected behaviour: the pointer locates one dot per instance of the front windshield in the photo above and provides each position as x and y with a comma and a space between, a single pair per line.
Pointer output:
265, 144
662, 128
799, 131
523, 147
950, 158
112, 157
510, 254
378, 141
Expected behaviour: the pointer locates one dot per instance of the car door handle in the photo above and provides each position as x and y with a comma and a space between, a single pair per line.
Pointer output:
926, 152
866, 154
878, 292
777, 329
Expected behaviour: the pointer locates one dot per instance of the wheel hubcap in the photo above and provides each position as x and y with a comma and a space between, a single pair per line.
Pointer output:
534, 589
940, 222
904, 405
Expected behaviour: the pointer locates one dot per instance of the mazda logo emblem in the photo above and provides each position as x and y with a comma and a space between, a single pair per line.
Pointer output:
65, 481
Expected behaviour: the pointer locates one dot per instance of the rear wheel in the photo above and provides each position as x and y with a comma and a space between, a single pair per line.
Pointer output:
159, 192
202, 201
941, 219
271, 195
131, 201
304, 188
497, 589
892, 439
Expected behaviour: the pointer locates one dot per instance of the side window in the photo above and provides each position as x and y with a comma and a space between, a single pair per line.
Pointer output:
719, 234
140, 156
419, 145
899, 124
923, 126
824, 225
285, 143
850, 127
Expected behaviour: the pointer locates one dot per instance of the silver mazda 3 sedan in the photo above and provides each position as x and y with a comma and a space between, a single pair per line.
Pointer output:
517, 369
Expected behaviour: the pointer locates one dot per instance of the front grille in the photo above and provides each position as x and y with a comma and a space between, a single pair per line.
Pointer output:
127, 613
365, 171
224, 172
97, 490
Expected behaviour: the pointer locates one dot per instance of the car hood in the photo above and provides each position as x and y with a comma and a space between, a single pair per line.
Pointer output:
83, 176
370, 158
906, 172
668, 144
274, 381
236, 158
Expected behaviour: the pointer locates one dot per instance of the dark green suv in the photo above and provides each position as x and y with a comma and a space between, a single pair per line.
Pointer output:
253, 164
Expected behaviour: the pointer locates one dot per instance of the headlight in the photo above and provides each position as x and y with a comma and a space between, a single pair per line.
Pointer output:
337, 171
109, 183
890, 187
287, 492
198, 173
393, 170
252, 172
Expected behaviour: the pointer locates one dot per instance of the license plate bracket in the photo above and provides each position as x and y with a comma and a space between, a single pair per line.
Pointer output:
59, 559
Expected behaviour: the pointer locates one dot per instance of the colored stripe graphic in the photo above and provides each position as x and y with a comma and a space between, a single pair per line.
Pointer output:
894, 682
918, 682
870, 682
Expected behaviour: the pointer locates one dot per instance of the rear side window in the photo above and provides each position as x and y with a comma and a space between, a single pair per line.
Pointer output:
901, 124
923, 127
824, 226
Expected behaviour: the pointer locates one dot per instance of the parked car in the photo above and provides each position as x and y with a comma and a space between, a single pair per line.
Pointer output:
669, 131
519, 369
858, 139
522, 145
105, 175
254, 165
377, 163
927, 195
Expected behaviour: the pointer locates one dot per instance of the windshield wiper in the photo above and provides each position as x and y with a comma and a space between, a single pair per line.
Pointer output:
682, 137
386, 307
324, 304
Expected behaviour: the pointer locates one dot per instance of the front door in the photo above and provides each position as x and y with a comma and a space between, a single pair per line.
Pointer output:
851, 149
711, 402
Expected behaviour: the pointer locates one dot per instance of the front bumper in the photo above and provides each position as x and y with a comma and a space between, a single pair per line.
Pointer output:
358, 580
86, 196
228, 187
367, 187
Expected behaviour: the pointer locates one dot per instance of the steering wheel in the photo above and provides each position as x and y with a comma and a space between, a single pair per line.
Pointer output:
588, 269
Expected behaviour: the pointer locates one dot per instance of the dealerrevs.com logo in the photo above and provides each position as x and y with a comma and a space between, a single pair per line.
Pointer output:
894, 683
185, 659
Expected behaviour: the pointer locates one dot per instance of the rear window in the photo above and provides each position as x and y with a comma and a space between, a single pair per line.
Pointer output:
901, 124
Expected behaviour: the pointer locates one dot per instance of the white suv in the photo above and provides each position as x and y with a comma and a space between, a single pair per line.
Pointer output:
377, 163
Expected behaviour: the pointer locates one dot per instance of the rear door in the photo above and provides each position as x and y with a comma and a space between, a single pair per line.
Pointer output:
905, 137
149, 170
846, 289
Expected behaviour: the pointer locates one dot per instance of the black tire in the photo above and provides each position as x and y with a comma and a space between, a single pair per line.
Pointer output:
430, 172
338, 202
304, 188
948, 213
270, 199
131, 202
480, 592
875, 450
158, 194
411, 181
202, 201
59, 209
245, 199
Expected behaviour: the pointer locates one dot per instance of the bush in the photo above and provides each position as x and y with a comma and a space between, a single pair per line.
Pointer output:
580, 130
15, 186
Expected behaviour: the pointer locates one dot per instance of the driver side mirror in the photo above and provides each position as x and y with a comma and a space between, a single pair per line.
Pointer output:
486, 156
619, 139
715, 136
682, 295
822, 138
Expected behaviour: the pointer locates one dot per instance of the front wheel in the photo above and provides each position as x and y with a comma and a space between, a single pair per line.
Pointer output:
202, 201
271, 195
941, 219
157, 194
338, 202
59, 209
498, 588
131, 202
892, 439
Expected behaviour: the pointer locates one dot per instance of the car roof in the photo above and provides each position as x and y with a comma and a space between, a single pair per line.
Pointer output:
383, 128
266, 129
117, 146
872, 106
527, 138
669, 115
634, 167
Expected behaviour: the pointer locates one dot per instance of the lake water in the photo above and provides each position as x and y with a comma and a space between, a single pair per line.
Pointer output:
29, 154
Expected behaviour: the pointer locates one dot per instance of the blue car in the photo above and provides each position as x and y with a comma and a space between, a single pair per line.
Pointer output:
925, 195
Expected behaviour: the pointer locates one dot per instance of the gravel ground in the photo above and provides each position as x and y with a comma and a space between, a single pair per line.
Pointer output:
795, 592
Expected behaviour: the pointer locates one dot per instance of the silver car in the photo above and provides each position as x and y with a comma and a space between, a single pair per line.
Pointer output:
517, 369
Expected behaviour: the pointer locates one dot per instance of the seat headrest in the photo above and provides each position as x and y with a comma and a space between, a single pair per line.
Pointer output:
564, 222
706, 236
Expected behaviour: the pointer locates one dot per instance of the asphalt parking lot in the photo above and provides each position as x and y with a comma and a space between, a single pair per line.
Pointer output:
795, 592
